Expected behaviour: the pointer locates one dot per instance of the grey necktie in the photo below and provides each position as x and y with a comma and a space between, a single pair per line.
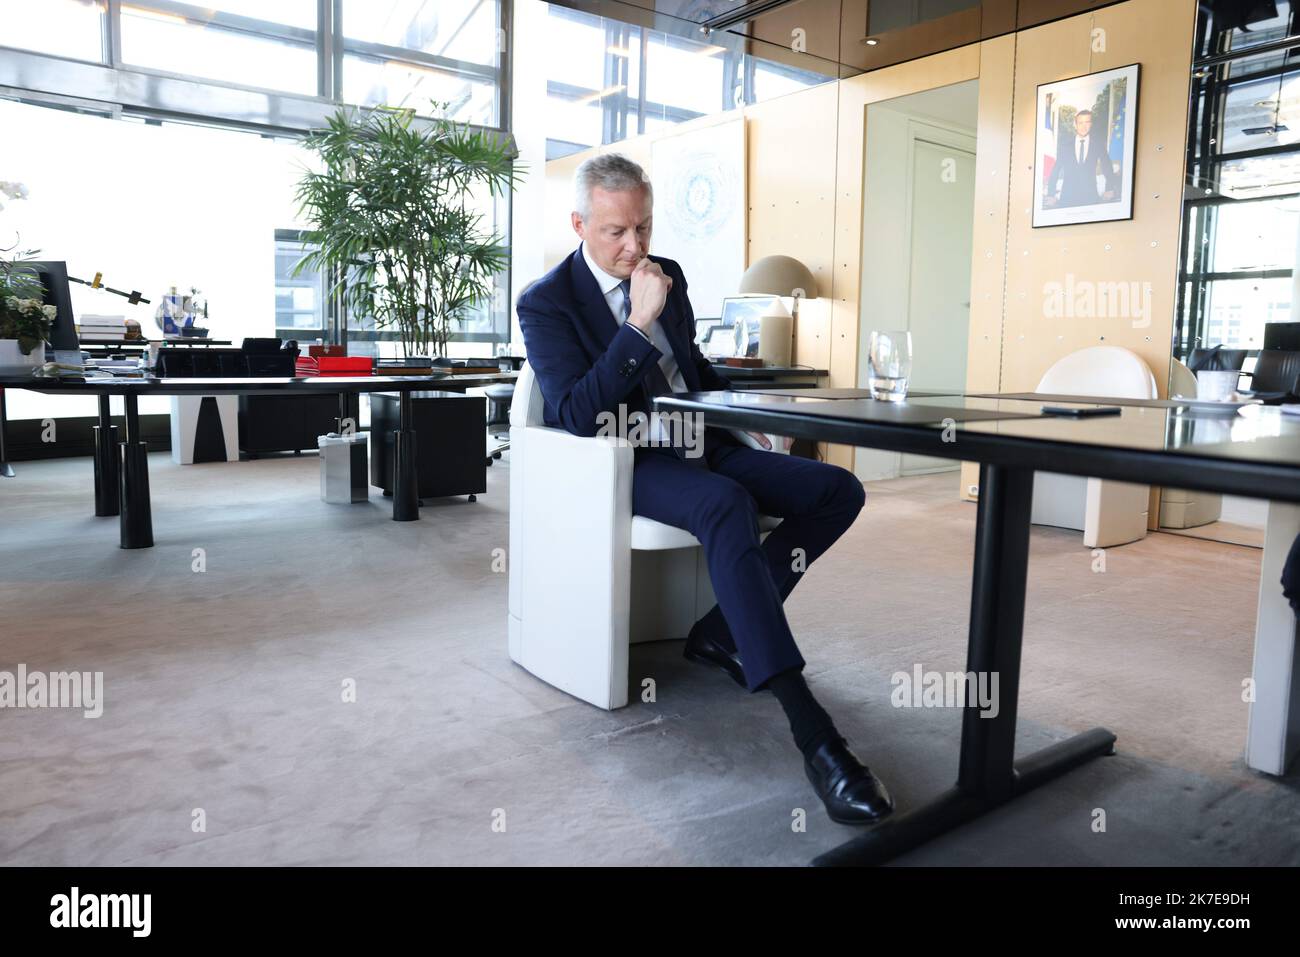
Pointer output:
656, 381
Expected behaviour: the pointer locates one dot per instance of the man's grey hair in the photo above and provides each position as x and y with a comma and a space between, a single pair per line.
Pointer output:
610, 171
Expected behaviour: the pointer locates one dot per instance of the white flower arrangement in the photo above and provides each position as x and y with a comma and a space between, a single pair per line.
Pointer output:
31, 307
13, 191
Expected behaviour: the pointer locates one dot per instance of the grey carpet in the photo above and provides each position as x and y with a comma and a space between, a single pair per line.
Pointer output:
223, 692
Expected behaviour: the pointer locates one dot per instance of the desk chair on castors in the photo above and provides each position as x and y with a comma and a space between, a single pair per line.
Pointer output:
498, 424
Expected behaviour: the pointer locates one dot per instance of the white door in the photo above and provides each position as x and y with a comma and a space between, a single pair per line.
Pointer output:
938, 302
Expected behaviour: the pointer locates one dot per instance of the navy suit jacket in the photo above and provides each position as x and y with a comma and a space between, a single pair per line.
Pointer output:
587, 363
1079, 180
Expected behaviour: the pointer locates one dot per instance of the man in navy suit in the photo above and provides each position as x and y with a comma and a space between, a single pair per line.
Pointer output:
608, 329
1079, 158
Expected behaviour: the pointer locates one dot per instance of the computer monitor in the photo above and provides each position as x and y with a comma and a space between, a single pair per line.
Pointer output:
1282, 335
741, 314
63, 334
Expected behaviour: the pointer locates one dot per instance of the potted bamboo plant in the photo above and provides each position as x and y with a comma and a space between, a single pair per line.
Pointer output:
392, 217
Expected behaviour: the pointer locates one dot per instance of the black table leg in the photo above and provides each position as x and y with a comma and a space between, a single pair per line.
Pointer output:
406, 480
349, 411
6, 470
107, 490
988, 774
136, 518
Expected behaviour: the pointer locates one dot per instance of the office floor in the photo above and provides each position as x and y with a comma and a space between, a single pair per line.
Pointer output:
223, 692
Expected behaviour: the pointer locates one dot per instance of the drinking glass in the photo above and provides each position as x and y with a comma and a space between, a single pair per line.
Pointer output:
891, 365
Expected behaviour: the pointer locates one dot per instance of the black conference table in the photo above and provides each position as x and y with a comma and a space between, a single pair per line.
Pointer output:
122, 469
1151, 442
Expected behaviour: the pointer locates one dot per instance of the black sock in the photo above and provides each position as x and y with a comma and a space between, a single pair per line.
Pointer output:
809, 722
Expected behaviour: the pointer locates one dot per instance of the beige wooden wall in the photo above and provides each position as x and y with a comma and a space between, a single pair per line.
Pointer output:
1012, 340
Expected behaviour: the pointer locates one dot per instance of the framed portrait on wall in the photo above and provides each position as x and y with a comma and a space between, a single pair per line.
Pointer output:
1085, 133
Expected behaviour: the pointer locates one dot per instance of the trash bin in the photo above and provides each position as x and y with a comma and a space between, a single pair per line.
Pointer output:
343, 478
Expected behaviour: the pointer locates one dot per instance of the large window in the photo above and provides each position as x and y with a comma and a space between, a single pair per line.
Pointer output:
398, 53
1242, 213
617, 80
151, 206
70, 28
269, 45
409, 53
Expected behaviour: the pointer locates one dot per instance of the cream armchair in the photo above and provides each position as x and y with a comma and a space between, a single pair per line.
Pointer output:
1108, 513
587, 577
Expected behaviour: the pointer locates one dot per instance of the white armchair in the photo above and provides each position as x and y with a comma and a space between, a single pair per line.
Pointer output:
1108, 513
575, 551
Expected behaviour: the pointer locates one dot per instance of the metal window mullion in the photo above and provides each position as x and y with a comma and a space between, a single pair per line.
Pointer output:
1220, 158
505, 47
624, 66
609, 77
642, 72
1274, 46
324, 49
336, 49
113, 34
1222, 200
1210, 275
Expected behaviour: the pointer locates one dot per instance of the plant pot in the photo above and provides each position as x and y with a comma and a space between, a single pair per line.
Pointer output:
13, 362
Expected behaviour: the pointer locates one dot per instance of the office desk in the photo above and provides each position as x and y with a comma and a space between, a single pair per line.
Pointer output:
122, 473
743, 378
1255, 455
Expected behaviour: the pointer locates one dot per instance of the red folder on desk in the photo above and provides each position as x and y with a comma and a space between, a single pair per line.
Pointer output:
335, 365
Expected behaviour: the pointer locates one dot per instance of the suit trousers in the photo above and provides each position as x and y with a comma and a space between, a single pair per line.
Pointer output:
720, 505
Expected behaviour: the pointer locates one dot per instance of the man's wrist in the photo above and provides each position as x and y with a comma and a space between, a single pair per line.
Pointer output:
641, 322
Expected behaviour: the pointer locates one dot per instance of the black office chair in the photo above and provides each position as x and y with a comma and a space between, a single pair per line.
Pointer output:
1276, 371
1282, 335
499, 397
1216, 359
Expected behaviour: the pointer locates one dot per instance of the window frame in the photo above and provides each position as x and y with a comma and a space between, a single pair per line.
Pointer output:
1214, 76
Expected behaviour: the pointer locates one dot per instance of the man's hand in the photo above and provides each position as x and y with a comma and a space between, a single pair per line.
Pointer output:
764, 441
649, 293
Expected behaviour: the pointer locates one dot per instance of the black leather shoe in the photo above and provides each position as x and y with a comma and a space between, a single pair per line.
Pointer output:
708, 652
851, 793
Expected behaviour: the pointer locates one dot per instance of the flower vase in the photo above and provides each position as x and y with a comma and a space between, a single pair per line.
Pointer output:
14, 363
